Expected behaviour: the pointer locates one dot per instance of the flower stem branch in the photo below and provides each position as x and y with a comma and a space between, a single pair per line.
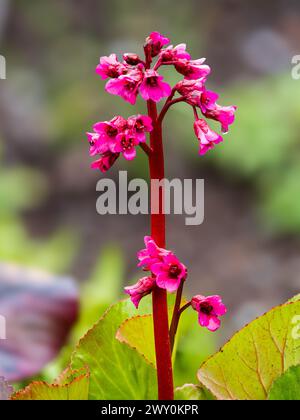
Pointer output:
187, 305
195, 113
146, 149
166, 107
176, 316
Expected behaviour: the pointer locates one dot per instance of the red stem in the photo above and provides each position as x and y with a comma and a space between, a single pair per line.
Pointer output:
159, 296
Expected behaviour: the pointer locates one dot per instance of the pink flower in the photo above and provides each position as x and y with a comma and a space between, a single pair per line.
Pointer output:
155, 42
152, 254
206, 136
142, 288
140, 124
125, 143
95, 142
209, 310
191, 90
131, 59
107, 130
169, 272
192, 69
153, 87
224, 114
110, 67
208, 100
105, 162
171, 53
126, 86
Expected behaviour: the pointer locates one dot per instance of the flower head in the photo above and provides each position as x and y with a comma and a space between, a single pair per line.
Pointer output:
191, 90
125, 143
209, 310
140, 124
107, 130
126, 86
131, 59
171, 54
95, 142
208, 100
142, 288
151, 254
153, 87
206, 136
105, 162
169, 272
223, 114
155, 42
192, 69
110, 67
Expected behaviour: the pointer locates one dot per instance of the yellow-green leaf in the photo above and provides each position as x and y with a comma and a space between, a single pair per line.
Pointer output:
74, 386
137, 333
192, 392
117, 371
249, 363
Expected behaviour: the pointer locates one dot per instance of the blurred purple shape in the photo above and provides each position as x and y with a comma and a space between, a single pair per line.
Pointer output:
6, 390
37, 311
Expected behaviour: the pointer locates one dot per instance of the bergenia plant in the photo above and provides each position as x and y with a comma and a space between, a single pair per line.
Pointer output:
118, 358
165, 273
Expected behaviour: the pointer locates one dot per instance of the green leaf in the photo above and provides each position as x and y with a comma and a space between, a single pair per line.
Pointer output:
137, 333
72, 386
192, 392
117, 371
287, 386
249, 363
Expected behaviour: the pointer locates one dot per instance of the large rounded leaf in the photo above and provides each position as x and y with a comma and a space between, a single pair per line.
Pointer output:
287, 386
249, 363
74, 386
37, 311
138, 333
117, 371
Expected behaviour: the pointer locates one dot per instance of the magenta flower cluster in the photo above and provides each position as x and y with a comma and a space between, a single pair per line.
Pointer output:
167, 272
110, 138
132, 77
